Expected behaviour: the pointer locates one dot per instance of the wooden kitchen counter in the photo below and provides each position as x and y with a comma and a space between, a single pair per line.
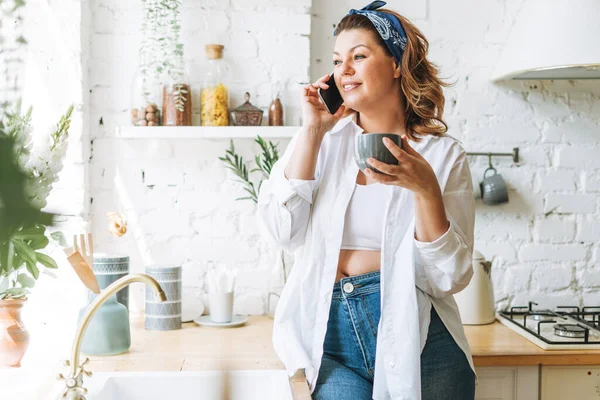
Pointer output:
250, 347
496, 345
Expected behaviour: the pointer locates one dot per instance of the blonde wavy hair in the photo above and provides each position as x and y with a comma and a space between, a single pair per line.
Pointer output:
419, 80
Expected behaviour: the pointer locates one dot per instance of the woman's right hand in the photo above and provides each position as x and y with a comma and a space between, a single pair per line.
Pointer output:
315, 116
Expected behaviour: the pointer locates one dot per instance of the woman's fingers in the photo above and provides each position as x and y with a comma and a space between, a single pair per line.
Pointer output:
387, 169
316, 103
324, 78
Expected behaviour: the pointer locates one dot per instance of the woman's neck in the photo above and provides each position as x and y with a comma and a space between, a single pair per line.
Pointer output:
386, 117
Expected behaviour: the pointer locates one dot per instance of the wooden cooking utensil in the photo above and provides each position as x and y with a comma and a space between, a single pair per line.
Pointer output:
83, 270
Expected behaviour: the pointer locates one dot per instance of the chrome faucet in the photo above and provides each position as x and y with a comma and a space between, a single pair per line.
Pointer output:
74, 389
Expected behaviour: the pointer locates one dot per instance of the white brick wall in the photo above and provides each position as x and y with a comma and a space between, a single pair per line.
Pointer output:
182, 208
178, 197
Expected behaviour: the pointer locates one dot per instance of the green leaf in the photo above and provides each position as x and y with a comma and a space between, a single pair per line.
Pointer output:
39, 243
46, 260
10, 255
30, 233
17, 293
4, 284
3, 257
49, 273
33, 270
60, 238
24, 251
26, 281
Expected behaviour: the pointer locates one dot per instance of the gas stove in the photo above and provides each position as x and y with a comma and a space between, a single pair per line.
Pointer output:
564, 328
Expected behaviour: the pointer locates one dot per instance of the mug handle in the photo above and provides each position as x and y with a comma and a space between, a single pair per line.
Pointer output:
489, 169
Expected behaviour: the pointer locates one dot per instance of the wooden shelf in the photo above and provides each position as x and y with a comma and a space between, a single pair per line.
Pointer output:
206, 132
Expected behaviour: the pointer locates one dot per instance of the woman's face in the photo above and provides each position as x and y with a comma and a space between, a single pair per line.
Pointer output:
364, 73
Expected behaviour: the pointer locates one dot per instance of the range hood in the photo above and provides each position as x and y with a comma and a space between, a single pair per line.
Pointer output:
553, 39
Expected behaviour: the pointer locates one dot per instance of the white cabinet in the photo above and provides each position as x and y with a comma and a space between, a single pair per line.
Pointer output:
570, 382
507, 383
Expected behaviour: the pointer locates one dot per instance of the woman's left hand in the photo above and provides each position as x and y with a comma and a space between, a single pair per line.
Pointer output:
413, 172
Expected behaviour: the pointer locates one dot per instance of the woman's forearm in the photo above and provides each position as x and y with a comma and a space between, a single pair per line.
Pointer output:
303, 162
430, 217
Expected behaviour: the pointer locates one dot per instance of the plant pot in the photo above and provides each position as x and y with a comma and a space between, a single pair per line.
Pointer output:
14, 338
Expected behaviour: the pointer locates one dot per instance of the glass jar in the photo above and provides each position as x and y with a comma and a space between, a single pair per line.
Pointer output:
177, 101
145, 96
214, 98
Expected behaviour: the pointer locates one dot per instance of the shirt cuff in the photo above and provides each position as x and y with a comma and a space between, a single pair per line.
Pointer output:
440, 249
284, 189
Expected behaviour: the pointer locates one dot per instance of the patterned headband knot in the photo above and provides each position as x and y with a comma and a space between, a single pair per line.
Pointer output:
388, 26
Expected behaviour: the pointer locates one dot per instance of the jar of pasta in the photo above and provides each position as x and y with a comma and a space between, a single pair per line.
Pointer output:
214, 97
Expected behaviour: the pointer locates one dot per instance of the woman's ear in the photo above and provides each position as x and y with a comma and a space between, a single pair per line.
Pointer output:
397, 70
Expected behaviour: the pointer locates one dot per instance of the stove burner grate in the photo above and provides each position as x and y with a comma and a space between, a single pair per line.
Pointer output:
570, 331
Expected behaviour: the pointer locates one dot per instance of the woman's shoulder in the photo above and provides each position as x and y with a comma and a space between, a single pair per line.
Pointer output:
444, 145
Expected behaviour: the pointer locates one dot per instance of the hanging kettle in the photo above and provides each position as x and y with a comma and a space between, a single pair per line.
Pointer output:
476, 301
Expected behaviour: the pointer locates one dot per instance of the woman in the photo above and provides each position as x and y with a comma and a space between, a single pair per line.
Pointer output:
368, 310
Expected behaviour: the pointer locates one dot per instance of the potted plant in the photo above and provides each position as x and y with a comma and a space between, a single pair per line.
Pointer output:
161, 60
26, 179
264, 163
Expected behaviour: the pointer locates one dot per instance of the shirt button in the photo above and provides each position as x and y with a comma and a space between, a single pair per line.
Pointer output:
348, 287
392, 365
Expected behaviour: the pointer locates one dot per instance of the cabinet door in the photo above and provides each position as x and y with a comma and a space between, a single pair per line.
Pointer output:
571, 382
507, 383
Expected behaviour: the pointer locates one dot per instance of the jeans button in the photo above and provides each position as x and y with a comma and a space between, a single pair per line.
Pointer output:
348, 287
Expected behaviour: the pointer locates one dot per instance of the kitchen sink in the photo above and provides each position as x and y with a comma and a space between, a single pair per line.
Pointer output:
205, 385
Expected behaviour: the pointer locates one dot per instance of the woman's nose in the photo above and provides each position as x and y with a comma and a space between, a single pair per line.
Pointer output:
347, 69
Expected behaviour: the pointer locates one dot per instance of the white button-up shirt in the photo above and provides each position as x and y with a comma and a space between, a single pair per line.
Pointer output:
307, 217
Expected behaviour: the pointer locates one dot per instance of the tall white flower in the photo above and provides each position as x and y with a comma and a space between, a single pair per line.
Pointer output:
44, 162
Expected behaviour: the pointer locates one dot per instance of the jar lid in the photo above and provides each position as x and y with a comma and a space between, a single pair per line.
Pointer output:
214, 51
247, 106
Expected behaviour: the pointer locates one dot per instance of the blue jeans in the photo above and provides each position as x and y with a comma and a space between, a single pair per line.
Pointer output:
348, 363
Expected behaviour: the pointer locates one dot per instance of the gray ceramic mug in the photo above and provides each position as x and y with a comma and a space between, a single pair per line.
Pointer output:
370, 145
493, 188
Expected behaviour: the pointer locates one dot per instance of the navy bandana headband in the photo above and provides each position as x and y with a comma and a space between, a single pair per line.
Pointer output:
389, 28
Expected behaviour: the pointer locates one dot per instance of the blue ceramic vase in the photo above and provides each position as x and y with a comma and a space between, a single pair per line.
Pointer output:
108, 331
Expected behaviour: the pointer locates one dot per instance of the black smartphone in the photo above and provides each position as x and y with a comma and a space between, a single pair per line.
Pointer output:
331, 97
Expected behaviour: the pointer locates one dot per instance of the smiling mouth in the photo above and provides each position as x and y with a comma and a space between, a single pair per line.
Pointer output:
350, 87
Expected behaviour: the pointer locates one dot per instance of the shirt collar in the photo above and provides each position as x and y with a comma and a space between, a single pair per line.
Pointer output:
349, 122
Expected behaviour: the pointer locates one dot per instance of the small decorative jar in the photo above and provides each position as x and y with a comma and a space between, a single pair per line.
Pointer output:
214, 100
247, 114
145, 96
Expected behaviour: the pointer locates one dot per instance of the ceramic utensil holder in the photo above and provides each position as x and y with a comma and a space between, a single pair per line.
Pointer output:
164, 316
109, 268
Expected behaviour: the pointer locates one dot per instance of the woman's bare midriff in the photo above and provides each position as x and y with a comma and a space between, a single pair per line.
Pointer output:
358, 262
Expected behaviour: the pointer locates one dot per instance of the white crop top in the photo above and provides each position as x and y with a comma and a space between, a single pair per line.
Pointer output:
363, 223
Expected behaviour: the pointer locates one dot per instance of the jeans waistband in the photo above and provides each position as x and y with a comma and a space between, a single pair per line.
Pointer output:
361, 284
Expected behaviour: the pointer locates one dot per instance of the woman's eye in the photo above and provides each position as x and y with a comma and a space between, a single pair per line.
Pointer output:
336, 62
359, 56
